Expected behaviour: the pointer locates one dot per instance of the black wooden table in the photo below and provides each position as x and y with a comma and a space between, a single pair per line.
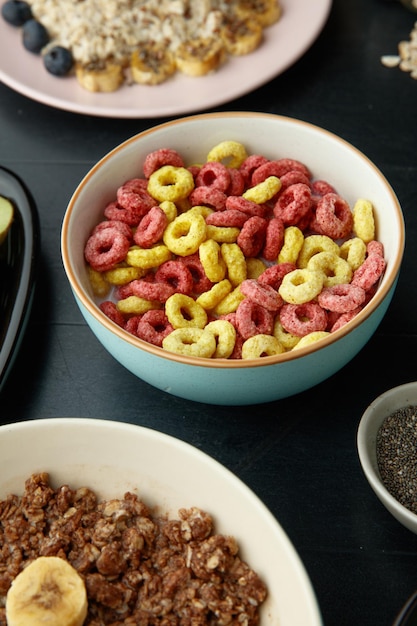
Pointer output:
299, 454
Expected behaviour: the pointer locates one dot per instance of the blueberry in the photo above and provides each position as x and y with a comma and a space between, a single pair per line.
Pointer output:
16, 12
35, 36
58, 61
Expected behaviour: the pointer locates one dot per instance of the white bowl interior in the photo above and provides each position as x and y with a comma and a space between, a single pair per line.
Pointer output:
375, 414
328, 157
113, 457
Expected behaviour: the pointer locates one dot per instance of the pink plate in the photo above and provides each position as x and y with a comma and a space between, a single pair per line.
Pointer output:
285, 42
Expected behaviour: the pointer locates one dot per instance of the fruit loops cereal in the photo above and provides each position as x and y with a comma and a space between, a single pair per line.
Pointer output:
239, 257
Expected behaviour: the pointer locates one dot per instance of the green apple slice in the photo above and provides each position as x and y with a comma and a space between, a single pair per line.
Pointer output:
6, 217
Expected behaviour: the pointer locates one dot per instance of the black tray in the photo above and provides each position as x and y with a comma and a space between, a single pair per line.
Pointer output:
18, 261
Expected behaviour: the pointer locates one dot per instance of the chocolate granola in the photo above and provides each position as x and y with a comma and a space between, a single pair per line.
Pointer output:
138, 568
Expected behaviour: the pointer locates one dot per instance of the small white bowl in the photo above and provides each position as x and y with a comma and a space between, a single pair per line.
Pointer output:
115, 457
383, 406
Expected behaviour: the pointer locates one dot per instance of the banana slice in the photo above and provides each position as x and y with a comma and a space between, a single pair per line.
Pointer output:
266, 12
6, 217
200, 56
100, 76
48, 592
152, 64
241, 36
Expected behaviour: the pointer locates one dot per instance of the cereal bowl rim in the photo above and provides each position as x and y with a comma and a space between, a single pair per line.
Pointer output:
90, 306
380, 408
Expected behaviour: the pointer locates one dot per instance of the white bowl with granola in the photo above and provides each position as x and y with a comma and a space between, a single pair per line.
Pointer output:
233, 261
132, 548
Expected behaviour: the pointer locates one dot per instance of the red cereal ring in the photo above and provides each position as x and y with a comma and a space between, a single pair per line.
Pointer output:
194, 169
135, 184
287, 165
344, 318
237, 183
302, 319
150, 228
131, 325
375, 247
262, 294
164, 156
207, 196
125, 291
230, 317
341, 298
321, 187
153, 327
231, 218
245, 206
252, 236
270, 168
177, 275
114, 212
253, 319
121, 226
293, 204
237, 350
274, 239
111, 311
274, 274
201, 282
214, 175
132, 197
106, 248
369, 272
151, 290
334, 216
250, 164
305, 222
293, 177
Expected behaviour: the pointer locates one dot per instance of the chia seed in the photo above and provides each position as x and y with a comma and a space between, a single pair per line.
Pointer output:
396, 451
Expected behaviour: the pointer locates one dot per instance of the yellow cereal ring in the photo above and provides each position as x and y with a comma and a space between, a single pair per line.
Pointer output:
170, 183
313, 244
307, 340
211, 298
98, 283
170, 209
235, 263
225, 334
200, 209
223, 234
184, 235
183, 312
255, 267
190, 342
229, 303
293, 242
363, 220
133, 305
335, 269
146, 258
123, 275
261, 345
353, 251
230, 153
301, 286
264, 191
286, 339
212, 260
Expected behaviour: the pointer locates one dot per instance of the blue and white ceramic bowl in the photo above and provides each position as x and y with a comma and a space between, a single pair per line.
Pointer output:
237, 382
